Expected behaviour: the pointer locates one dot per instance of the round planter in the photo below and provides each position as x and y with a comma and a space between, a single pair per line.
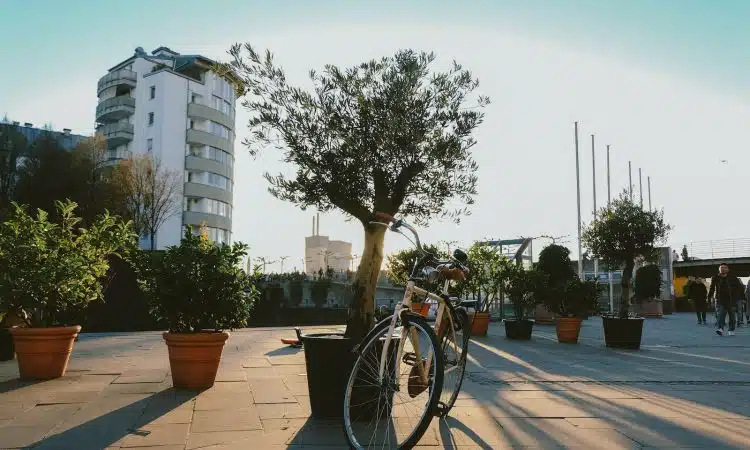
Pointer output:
519, 330
623, 333
651, 308
543, 316
7, 350
480, 323
422, 308
568, 329
194, 358
43, 353
329, 361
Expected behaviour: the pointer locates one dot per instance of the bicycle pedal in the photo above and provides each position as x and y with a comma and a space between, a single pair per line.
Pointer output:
409, 359
441, 409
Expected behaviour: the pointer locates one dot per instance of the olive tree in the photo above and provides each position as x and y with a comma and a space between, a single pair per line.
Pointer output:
622, 233
388, 135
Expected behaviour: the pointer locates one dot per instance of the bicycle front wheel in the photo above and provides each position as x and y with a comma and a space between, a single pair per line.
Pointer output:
394, 412
455, 346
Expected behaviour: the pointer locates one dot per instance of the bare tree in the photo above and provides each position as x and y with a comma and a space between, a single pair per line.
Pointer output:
151, 193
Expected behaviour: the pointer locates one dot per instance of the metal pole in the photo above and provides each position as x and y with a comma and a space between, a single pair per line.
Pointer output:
640, 186
593, 168
609, 202
630, 180
649, 193
578, 200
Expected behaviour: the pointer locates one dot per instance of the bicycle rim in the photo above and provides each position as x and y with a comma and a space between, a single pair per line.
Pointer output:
454, 361
394, 413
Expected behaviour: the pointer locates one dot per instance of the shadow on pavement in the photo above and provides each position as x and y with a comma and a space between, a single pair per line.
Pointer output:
88, 428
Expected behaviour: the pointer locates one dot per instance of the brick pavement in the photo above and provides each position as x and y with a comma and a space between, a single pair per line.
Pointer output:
686, 387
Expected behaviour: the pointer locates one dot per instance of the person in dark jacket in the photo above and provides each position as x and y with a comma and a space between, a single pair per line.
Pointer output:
697, 293
728, 289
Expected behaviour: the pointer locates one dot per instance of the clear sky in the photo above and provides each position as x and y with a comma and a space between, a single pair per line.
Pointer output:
664, 82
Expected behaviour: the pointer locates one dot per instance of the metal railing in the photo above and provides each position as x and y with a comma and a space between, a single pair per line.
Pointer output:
715, 249
115, 102
112, 128
116, 77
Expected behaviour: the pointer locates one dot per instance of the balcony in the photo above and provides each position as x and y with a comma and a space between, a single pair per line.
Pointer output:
115, 108
122, 77
116, 134
198, 111
206, 138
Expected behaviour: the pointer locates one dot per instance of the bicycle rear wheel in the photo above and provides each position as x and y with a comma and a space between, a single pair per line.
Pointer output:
396, 412
454, 360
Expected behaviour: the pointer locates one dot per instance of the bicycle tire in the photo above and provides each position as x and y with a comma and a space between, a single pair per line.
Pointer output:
437, 382
444, 409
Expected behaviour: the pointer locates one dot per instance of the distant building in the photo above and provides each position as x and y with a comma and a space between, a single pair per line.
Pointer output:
322, 252
65, 138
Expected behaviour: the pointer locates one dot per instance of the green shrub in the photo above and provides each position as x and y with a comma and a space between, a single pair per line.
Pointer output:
198, 285
49, 271
647, 282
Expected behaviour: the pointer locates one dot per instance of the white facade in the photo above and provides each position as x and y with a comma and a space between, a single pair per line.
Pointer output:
321, 252
175, 108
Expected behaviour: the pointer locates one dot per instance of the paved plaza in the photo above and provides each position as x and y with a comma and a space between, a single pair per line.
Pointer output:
686, 388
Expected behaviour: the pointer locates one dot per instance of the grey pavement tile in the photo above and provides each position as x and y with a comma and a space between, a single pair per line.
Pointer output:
156, 435
22, 436
218, 421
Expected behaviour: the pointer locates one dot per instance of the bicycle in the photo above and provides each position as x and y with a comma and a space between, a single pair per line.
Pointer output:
406, 339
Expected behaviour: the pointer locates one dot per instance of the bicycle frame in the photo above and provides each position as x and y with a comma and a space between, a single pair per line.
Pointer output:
405, 306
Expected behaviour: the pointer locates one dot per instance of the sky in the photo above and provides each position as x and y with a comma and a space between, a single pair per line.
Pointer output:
664, 83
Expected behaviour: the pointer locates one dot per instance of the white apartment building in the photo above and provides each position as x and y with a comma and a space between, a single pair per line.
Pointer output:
174, 107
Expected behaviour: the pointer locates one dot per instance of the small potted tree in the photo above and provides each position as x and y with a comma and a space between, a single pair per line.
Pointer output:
620, 234
648, 290
200, 290
296, 288
50, 272
522, 286
486, 265
578, 299
554, 262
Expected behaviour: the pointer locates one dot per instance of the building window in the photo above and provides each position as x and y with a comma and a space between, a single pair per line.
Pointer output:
152, 94
220, 130
149, 145
150, 118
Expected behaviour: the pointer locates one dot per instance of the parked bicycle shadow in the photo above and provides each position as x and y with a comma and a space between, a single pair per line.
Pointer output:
448, 436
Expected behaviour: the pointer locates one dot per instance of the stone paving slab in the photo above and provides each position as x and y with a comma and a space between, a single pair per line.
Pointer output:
686, 388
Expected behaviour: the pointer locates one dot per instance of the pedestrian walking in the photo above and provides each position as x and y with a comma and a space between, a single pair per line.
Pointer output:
727, 289
698, 294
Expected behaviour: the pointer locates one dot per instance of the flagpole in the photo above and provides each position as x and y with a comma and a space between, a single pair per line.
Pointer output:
578, 201
593, 168
609, 202
640, 186
630, 179
649, 193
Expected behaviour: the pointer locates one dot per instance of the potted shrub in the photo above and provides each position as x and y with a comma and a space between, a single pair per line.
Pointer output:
564, 295
486, 264
647, 291
50, 272
319, 288
578, 299
620, 234
522, 286
554, 262
200, 290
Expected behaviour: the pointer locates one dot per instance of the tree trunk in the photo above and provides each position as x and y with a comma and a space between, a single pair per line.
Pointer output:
153, 242
627, 276
362, 306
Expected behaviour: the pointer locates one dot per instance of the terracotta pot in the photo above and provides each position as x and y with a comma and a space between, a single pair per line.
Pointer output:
422, 308
43, 353
568, 329
480, 322
541, 315
650, 308
194, 358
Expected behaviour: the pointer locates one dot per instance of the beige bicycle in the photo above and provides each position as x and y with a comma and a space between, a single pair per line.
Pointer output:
407, 371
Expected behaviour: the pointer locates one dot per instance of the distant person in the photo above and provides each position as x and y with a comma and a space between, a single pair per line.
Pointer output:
698, 294
728, 290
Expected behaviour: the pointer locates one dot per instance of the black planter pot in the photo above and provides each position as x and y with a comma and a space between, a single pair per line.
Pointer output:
623, 333
329, 362
7, 349
518, 330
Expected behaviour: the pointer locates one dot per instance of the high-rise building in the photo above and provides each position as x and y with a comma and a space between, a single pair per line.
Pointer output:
176, 108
